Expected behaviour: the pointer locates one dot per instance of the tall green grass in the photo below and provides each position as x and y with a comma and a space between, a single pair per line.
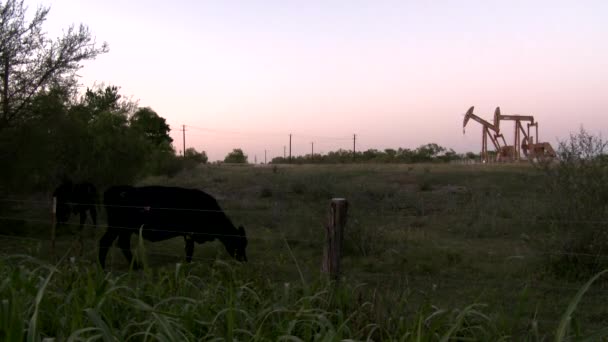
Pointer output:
225, 301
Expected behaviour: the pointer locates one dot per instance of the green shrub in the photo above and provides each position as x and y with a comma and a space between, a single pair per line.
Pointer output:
578, 187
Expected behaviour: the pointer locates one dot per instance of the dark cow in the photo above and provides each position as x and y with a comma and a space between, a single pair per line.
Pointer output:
78, 198
166, 212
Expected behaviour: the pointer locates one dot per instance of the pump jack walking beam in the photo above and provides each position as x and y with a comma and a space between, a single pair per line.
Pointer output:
488, 131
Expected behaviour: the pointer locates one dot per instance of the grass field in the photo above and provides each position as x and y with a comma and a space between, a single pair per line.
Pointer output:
430, 252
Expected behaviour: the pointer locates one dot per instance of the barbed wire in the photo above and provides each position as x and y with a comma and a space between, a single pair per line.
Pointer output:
135, 230
281, 236
370, 215
146, 207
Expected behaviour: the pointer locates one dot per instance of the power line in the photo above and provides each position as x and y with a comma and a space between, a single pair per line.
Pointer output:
267, 133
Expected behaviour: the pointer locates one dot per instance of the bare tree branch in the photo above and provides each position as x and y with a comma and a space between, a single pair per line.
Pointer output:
30, 62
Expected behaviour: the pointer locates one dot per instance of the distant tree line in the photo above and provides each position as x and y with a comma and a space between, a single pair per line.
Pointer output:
423, 154
48, 131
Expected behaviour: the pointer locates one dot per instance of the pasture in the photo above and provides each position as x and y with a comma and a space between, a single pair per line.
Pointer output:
422, 244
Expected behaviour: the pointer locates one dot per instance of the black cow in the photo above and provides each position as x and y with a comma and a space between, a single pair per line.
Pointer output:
78, 198
166, 212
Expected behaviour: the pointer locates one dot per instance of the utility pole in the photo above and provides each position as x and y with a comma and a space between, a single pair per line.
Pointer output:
290, 149
265, 157
184, 140
284, 153
312, 150
354, 145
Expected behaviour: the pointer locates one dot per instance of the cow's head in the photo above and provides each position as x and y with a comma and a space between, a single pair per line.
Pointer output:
238, 244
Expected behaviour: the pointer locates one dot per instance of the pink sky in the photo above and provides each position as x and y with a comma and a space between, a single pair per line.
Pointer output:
396, 73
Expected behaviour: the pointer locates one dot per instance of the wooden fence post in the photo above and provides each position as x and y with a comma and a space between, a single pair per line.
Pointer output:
334, 235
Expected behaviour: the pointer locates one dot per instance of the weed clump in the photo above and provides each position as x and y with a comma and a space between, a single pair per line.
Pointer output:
266, 192
425, 184
298, 188
578, 187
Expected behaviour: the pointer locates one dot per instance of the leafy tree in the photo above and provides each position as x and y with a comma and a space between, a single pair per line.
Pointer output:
34, 152
391, 153
198, 157
30, 62
117, 153
104, 99
236, 156
428, 152
340, 156
405, 155
100, 99
448, 156
152, 126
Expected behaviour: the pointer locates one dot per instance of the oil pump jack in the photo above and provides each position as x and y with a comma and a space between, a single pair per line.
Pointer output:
531, 149
488, 131
519, 130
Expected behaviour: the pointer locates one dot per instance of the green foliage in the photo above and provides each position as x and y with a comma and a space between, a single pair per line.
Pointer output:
92, 138
565, 323
471, 155
224, 301
195, 156
578, 185
103, 99
424, 154
153, 127
236, 156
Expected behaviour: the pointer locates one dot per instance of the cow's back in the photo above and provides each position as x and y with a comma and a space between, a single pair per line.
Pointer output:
174, 209
176, 197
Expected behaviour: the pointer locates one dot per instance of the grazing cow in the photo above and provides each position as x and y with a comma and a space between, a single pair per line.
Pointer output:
78, 198
166, 212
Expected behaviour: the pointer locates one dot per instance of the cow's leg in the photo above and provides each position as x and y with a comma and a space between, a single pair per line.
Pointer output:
93, 213
124, 242
189, 247
94, 216
83, 217
104, 245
